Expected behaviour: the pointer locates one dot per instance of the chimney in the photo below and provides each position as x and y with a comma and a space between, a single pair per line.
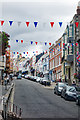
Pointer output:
78, 8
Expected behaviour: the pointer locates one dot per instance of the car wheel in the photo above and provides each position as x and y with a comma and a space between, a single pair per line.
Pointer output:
54, 92
77, 102
66, 97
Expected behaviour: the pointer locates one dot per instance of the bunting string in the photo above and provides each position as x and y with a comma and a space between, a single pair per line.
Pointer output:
36, 23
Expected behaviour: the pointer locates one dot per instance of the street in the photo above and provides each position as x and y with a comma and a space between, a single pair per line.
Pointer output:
38, 102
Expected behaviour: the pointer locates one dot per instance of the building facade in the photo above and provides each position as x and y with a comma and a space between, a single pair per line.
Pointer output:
55, 55
70, 49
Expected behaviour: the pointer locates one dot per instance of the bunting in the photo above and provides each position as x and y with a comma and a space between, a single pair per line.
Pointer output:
27, 23
76, 23
21, 41
19, 23
16, 40
35, 24
50, 44
36, 43
60, 23
52, 23
45, 43
10, 22
2, 23
31, 42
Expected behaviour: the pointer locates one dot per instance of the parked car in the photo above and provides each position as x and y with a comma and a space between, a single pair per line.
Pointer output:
19, 77
78, 95
27, 76
38, 79
45, 81
23, 75
58, 88
34, 78
69, 93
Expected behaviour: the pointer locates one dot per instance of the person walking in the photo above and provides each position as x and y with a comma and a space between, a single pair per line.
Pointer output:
5, 83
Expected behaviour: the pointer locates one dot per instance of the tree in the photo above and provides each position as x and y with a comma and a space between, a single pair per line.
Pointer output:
4, 38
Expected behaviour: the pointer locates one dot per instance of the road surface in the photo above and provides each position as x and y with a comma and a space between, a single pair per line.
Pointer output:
38, 102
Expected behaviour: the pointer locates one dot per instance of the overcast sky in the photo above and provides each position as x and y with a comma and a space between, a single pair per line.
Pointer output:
41, 11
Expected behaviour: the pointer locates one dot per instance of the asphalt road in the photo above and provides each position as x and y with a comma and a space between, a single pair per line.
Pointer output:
39, 102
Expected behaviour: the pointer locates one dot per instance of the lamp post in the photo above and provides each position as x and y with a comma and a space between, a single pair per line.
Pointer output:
79, 60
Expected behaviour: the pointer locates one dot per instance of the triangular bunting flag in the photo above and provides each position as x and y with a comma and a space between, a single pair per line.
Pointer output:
35, 23
13, 52
2, 23
16, 40
27, 52
45, 43
50, 44
24, 52
52, 23
17, 52
44, 25
31, 42
60, 23
76, 44
9, 46
76, 23
21, 41
59, 44
36, 51
19, 23
63, 44
10, 22
27, 23
36, 43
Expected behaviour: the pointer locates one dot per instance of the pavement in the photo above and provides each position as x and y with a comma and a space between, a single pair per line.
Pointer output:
53, 84
3, 92
38, 101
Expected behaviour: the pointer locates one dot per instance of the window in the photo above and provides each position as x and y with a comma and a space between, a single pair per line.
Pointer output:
53, 63
59, 60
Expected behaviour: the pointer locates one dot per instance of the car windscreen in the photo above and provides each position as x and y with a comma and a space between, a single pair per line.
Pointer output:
61, 84
72, 89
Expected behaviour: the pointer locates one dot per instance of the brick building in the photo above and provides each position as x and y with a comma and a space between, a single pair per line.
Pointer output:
55, 55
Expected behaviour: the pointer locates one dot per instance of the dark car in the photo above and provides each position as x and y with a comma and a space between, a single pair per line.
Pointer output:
58, 88
69, 93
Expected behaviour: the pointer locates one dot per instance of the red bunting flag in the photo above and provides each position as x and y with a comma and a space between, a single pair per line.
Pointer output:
76, 44
50, 44
2, 23
52, 23
76, 23
36, 51
8, 46
63, 44
21, 41
27, 23
36, 43
27, 52
17, 52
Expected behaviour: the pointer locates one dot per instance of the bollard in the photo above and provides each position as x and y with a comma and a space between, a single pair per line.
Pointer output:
16, 109
13, 107
20, 112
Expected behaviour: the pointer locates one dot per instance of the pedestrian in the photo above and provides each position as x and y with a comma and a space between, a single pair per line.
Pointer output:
5, 83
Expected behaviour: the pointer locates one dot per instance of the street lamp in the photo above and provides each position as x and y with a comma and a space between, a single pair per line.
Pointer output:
79, 61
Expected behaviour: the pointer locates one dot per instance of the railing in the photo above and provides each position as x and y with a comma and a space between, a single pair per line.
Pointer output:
11, 110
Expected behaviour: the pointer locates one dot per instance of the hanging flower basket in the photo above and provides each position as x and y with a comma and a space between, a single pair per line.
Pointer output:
75, 75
